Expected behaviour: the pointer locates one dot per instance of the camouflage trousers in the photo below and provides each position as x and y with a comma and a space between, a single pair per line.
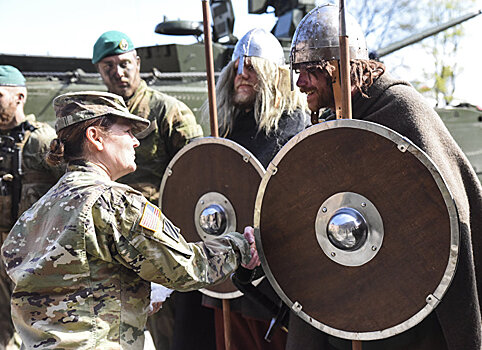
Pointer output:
9, 340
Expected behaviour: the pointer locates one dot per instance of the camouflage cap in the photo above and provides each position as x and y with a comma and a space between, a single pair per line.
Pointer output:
76, 107
11, 76
111, 43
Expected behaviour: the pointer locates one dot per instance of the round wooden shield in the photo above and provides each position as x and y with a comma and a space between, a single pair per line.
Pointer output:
356, 230
209, 188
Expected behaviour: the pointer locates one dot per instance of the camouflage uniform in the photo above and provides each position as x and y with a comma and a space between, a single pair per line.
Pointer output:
34, 139
172, 126
82, 258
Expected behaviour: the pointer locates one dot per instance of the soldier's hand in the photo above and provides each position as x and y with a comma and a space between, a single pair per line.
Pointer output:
154, 307
159, 294
249, 235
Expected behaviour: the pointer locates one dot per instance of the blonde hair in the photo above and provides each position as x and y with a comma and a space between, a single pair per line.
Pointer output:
274, 96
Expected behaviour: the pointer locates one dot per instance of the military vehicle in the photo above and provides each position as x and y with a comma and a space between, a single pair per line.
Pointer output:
179, 70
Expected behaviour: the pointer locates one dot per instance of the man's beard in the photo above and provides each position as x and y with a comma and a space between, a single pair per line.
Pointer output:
6, 117
244, 102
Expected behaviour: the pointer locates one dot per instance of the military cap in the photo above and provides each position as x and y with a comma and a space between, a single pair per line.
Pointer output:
76, 107
111, 43
11, 76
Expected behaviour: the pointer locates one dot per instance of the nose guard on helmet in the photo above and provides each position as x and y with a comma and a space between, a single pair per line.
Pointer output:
258, 43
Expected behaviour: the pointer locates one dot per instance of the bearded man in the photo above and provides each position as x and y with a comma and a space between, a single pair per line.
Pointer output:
173, 124
257, 109
379, 98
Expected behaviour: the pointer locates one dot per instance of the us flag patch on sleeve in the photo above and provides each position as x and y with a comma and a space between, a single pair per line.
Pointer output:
151, 217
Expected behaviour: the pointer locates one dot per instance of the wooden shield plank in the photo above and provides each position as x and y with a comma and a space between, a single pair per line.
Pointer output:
412, 268
210, 165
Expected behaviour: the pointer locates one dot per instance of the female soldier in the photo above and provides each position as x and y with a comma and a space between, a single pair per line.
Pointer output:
82, 257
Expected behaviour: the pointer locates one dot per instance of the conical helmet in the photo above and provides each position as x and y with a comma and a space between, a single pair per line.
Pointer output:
258, 43
316, 38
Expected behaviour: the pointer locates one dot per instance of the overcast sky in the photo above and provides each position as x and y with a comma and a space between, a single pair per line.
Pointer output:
70, 28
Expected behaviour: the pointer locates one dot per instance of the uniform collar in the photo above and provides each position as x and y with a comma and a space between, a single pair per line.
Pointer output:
86, 166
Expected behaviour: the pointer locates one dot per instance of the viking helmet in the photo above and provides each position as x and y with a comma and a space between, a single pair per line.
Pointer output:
259, 43
316, 38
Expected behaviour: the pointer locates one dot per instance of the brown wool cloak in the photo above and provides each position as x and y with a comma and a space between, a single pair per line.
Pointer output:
398, 106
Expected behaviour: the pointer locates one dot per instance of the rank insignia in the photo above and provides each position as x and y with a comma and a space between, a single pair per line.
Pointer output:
123, 45
151, 217
170, 230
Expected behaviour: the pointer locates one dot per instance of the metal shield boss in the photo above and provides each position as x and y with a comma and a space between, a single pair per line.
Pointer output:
356, 229
209, 188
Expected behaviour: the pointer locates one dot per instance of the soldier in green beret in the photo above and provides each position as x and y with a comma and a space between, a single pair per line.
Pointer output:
24, 175
173, 125
83, 256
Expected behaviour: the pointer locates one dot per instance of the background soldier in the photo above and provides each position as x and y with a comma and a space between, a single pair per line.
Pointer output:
257, 109
379, 98
172, 122
24, 175
172, 126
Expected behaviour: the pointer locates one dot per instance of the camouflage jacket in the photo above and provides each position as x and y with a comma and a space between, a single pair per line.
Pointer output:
37, 176
172, 126
82, 259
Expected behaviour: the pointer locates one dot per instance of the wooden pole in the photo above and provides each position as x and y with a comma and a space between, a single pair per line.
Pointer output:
208, 49
344, 66
356, 345
213, 117
345, 91
227, 324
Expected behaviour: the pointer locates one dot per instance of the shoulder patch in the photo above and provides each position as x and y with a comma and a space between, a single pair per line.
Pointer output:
170, 230
151, 217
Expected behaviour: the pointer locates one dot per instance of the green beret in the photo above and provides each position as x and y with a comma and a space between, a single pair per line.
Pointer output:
76, 107
111, 43
11, 76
